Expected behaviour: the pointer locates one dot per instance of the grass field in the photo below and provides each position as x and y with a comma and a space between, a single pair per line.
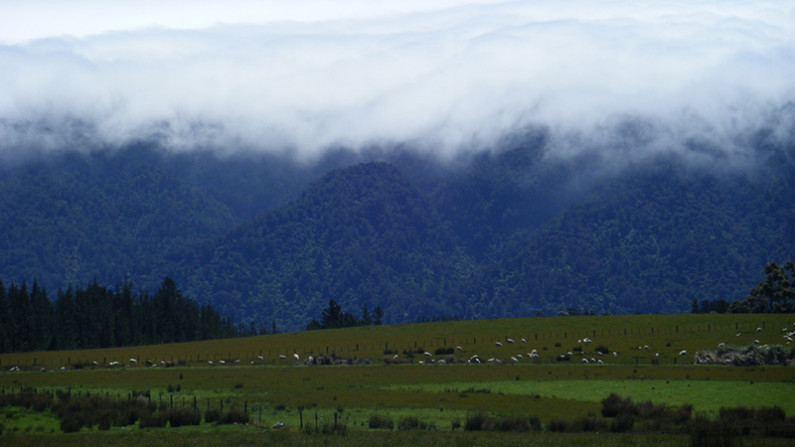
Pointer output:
273, 389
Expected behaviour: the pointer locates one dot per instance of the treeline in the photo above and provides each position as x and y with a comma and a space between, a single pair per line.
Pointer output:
333, 317
774, 294
99, 317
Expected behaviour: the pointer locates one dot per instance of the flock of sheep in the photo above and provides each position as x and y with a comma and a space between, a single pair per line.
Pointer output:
428, 358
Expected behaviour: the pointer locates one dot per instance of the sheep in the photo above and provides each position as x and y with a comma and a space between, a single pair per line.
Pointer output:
756, 342
427, 354
615, 354
498, 344
510, 340
282, 356
296, 357
395, 357
524, 340
459, 348
646, 347
514, 359
593, 360
519, 356
223, 362
759, 329
683, 352
586, 340
133, 361
210, 362
600, 362
584, 360
259, 357
739, 334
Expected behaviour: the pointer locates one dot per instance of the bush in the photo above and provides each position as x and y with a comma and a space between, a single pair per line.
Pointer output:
588, 424
622, 423
211, 416
612, 405
413, 423
178, 417
380, 421
475, 422
706, 433
234, 417
154, 419
557, 425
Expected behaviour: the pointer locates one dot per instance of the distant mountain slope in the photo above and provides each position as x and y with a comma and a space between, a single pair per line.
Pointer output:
361, 235
76, 217
505, 233
651, 241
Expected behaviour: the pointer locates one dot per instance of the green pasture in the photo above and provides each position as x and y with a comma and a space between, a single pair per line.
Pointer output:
274, 389
706, 396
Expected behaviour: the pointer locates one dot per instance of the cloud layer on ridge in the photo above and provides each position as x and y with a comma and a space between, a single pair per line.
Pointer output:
617, 75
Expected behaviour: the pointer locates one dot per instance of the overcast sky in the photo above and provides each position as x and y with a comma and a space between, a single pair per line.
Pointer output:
442, 76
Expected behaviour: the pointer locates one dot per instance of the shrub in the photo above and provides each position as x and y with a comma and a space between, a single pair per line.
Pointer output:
380, 421
412, 423
475, 422
178, 417
211, 416
588, 424
622, 423
613, 404
234, 417
557, 425
154, 419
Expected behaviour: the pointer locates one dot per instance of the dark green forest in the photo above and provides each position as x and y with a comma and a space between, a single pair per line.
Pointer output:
502, 233
100, 317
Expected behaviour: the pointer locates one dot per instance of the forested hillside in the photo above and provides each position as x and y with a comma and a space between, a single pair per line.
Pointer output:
501, 233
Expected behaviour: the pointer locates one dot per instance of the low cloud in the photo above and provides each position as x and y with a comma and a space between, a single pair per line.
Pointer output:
625, 78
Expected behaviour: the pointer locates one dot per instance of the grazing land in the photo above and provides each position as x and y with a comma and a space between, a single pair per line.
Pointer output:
418, 376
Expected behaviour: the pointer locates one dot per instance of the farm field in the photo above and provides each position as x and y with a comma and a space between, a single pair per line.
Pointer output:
261, 376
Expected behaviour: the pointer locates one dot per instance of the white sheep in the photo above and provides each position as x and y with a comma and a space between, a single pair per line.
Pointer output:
296, 357
498, 344
524, 340
133, 361
427, 354
584, 360
282, 356
459, 348
683, 352
510, 340
210, 362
